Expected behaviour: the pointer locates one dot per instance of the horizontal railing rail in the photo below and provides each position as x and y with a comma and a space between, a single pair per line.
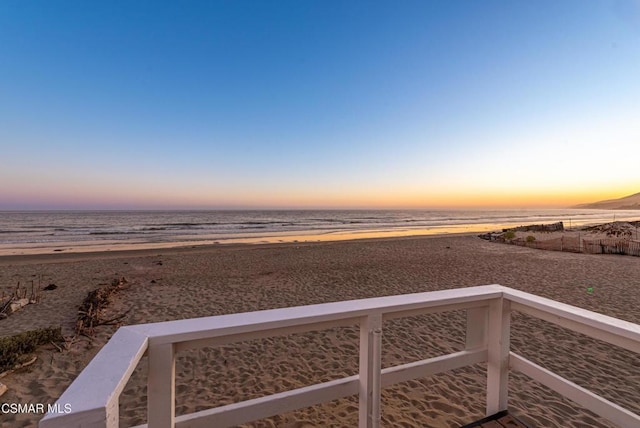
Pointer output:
94, 396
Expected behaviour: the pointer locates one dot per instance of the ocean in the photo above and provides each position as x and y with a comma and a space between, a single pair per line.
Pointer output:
50, 229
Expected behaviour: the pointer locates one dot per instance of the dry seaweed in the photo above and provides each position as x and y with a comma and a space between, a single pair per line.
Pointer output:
90, 312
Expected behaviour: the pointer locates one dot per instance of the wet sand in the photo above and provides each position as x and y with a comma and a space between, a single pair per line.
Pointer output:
213, 280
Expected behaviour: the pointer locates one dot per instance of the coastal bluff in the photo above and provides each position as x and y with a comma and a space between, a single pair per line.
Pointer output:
631, 202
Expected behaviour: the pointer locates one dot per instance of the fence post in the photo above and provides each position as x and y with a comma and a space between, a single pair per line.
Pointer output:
161, 403
370, 370
498, 355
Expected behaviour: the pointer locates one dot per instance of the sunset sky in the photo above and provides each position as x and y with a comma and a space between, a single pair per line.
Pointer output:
318, 104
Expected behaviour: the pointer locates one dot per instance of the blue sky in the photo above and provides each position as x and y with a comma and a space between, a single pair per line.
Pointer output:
312, 104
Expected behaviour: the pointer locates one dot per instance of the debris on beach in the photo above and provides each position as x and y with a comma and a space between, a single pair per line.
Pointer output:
620, 229
490, 236
508, 234
90, 312
553, 227
17, 300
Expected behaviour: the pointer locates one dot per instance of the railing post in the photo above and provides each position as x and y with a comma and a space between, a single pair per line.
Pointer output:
161, 403
498, 355
370, 370
477, 328
113, 413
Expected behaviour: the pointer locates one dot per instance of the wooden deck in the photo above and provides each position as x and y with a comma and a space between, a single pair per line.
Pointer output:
499, 420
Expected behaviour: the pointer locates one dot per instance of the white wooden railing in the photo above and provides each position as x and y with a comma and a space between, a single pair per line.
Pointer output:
93, 397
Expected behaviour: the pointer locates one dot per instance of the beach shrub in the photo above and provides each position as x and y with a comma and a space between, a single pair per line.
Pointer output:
531, 238
509, 234
12, 348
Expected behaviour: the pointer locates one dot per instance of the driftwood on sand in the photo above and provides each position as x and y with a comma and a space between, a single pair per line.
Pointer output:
90, 312
17, 300
553, 227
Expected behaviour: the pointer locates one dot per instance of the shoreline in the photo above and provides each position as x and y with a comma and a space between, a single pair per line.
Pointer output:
186, 249
58, 252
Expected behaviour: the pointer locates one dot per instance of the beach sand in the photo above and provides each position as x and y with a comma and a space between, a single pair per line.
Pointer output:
205, 281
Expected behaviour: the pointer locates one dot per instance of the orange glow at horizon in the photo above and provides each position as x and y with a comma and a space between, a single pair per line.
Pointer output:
200, 195
420, 200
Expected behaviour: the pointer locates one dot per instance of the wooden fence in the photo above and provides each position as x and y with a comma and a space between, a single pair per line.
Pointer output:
612, 246
578, 245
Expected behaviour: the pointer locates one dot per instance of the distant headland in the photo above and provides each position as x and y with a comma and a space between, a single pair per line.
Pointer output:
631, 202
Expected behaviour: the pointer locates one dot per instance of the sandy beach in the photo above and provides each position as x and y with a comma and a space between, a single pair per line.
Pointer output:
169, 284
